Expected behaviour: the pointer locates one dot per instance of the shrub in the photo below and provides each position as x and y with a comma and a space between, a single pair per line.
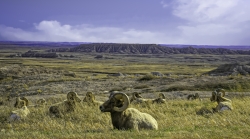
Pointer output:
147, 77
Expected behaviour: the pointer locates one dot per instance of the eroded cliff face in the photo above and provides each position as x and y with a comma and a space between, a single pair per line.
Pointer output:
144, 49
231, 69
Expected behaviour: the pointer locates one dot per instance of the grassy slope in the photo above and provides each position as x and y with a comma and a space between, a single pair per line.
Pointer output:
176, 119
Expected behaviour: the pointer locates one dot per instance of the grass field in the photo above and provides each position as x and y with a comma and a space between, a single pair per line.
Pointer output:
178, 118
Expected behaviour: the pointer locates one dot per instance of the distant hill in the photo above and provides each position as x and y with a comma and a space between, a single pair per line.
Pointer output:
121, 48
73, 44
41, 43
126, 48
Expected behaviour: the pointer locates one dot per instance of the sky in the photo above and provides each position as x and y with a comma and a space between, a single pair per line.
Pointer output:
197, 22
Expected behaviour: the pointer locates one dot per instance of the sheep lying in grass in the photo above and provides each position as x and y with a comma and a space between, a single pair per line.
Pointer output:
127, 118
66, 106
90, 99
19, 114
41, 102
223, 103
137, 99
134, 96
160, 99
20, 102
193, 96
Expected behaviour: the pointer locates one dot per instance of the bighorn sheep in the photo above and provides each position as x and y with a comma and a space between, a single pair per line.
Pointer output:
139, 99
41, 102
20, 102
66, 106
127, 118
90, 99
223, 103
134, 96
160, 99
193, 96
19, 114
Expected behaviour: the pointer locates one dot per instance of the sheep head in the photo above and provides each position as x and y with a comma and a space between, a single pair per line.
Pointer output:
73, 97
161, 95
160, 99
134, 96
117, 102
217, 93
90, 97
20, 102
41, 102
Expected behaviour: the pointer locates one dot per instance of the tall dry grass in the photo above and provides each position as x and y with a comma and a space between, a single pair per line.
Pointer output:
176, 119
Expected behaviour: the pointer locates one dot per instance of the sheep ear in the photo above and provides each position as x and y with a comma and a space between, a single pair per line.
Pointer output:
125, 99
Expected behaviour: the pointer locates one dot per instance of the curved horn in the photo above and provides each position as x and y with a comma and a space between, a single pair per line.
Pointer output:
161, 95
223, 92
26, 100
125, 99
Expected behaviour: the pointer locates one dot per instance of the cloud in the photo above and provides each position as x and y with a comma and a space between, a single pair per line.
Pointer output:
213, 21
55, 31
208, 22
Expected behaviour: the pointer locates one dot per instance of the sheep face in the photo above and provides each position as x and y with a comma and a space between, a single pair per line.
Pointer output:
127, 118
41, 102
90, 97
217, 93
116, 102
73, 97
135, 96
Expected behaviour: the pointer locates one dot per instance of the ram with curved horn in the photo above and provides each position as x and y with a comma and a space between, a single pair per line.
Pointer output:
90, 99
135, 95
223, 103
137, 99
66, 106
20, 102
125, 118
161, 99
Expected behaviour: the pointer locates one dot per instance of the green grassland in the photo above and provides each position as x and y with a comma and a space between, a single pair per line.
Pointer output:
178, 118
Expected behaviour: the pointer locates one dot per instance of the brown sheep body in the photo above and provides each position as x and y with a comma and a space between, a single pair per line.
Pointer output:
223, 103
127, 118
160, 99
67, 106
19, 114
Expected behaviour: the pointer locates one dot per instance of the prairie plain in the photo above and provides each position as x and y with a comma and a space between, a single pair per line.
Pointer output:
175, 75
